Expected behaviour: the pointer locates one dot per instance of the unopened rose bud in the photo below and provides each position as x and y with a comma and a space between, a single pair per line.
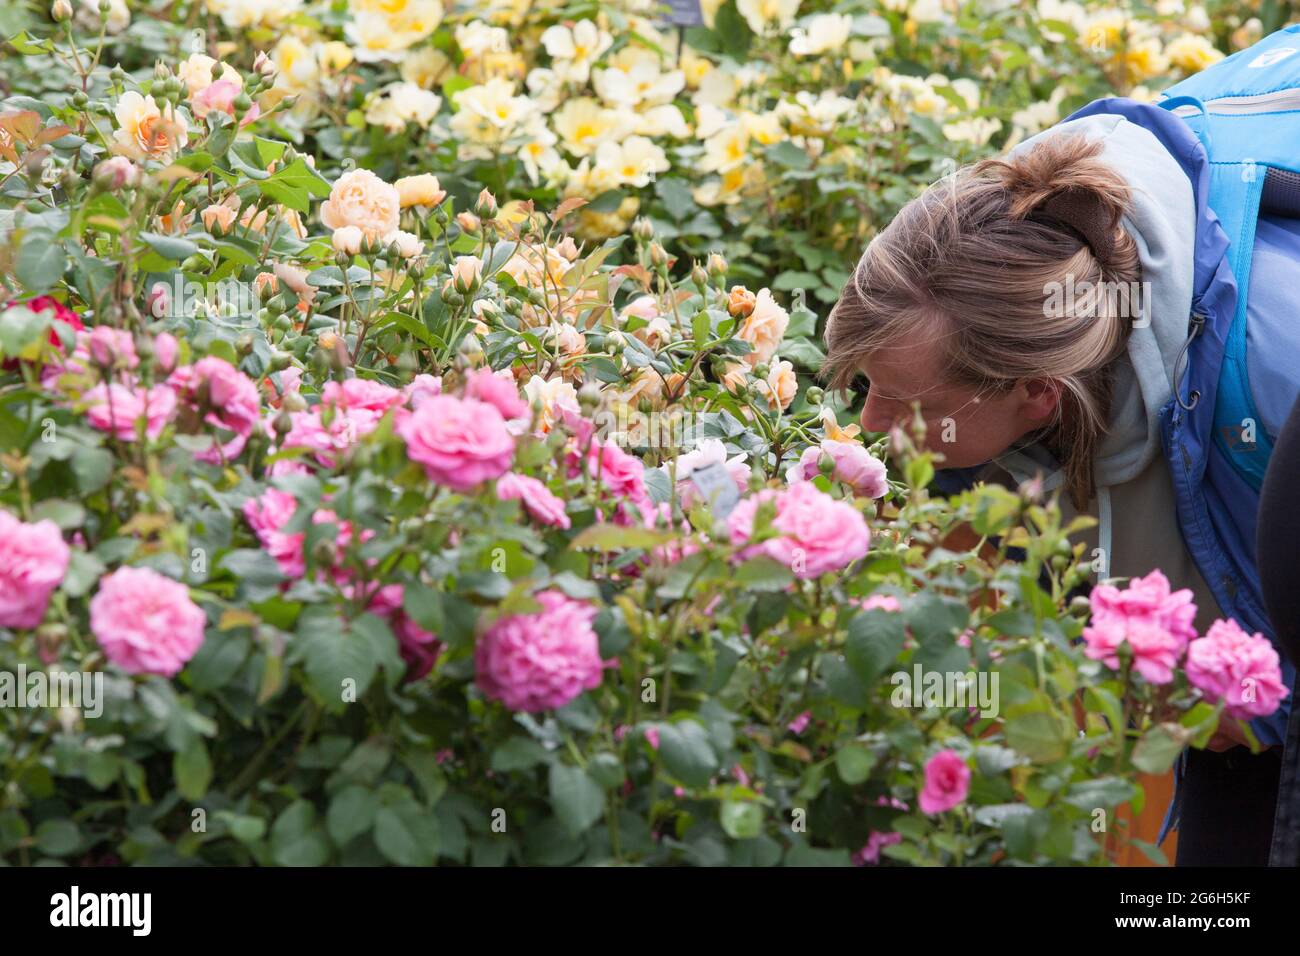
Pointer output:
243, 102
283, 422
717, 266
244, 344
262, 65
325, 553
61, 11
699, 276
165, 350
658, 256
471, 349
589, 396
161, 71
293, 402
114, 173
486, 205
761, 369
468, 222
814, 395
643, 230
826, 464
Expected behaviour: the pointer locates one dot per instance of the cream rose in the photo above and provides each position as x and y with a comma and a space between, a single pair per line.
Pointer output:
347, 240
360, 198
408, 245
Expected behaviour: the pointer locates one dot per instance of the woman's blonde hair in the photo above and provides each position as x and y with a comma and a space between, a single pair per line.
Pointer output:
1021, 266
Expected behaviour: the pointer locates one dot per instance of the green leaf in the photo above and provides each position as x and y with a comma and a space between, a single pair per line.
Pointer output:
788, 154
518, 753
295, 838
192, 770
1103, 792
352, 812
732, 31
612, 537
40, 262
875, 640
577, 800
741, 820
764, 574
1041, 736
58, 837
92, 468
332, 653
686, 752
170, 247
854, 763
1159, 747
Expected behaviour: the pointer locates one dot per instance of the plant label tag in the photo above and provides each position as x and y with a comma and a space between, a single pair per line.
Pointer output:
718, 488
684, 13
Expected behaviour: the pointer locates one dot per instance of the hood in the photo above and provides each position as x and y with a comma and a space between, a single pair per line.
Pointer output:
1163, 223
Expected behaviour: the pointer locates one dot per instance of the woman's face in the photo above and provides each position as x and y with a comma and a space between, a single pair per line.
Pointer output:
967, 425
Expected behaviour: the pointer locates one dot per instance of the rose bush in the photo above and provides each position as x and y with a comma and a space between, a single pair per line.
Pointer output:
406, 524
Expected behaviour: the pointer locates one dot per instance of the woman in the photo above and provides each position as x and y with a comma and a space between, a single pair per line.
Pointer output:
1037, 308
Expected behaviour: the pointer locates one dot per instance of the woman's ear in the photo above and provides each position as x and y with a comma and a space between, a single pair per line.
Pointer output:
1042, 399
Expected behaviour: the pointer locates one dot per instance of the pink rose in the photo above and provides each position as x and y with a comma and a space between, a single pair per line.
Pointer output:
419, 648
880, 602
461, 442
818, 533
361, 393
947, 780
1240, 669
110, 347
1155, 622
227, 399
33, 560
116, 408
537, 498
622, 474
800, 723
267, 514
346, 427
854, 465
877, 840
423, 386
146, 623
497, 389
540, 661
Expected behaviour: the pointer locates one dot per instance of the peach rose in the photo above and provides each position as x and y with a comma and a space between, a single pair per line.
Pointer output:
218, 218
764, 327
360, 198
423, 190
780, 386
741, 301
144, 131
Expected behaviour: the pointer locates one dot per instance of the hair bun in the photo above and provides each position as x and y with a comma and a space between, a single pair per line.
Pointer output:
1063, 181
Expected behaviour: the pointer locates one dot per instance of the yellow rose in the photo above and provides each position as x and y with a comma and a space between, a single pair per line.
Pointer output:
362, 199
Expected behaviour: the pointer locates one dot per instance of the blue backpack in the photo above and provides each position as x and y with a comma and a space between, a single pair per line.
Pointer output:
1235, 128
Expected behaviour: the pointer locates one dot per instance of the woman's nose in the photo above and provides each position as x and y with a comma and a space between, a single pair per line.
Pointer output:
877, 414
